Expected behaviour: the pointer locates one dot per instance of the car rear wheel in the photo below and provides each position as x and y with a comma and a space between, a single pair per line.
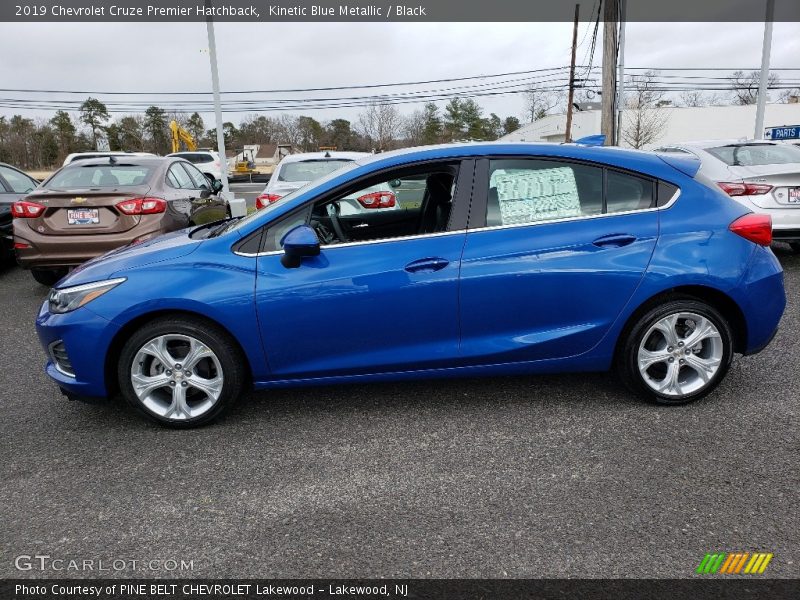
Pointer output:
677, 352
181, 372
48, 276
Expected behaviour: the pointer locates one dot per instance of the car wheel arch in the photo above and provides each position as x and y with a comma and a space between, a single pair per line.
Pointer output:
119, 339
721, 301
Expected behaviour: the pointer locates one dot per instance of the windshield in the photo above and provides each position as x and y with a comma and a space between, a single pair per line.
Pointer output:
309, 170
752, 155
348, 165
88, 176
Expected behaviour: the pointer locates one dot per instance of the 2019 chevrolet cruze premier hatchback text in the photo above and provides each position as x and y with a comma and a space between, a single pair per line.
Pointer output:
520, 259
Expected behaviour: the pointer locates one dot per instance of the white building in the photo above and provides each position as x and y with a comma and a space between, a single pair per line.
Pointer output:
682, 124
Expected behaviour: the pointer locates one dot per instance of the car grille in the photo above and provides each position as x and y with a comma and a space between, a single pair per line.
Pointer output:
58, 352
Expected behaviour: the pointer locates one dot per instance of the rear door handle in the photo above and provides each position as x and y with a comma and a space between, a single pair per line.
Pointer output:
427, 264
615, 240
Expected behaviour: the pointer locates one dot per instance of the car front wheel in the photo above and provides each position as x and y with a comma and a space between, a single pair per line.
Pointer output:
677, 352
181, 372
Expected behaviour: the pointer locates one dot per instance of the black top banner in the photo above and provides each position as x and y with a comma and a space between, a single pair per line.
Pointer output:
374, 11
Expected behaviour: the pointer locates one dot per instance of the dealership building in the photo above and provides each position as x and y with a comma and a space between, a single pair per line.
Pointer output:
680, 124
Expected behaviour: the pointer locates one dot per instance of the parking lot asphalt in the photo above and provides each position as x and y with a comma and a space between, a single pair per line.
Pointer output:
518, 477
248, 191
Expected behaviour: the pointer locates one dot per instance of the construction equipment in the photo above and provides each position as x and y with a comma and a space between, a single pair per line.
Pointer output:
179, 134
245, 162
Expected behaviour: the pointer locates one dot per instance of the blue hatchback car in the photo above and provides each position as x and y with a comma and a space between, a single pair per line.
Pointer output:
505, 259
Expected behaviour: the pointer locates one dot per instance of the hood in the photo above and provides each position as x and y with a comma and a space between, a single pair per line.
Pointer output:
112, 264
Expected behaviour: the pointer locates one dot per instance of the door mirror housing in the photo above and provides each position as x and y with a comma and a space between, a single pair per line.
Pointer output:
216, 184
300, 242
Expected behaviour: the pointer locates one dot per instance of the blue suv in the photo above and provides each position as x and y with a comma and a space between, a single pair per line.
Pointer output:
502, 259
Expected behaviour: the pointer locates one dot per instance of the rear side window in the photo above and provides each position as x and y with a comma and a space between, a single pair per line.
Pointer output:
177, 177
525, 191
196, 157
626, 192
18, 182
530, 191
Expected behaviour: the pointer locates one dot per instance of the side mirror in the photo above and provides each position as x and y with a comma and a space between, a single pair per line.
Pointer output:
300, 242
216, 184
395, 183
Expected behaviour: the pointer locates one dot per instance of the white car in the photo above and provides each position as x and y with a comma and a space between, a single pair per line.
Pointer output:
86, 155
206, 160
296, 170
762, 175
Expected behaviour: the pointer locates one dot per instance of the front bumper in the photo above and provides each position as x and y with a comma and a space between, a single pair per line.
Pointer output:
86, 337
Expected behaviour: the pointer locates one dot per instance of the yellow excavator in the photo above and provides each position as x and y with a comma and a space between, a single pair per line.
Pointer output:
179, 134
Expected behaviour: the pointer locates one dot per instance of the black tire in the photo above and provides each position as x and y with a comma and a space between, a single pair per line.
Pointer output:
231, 361
48, 277
632, 337
795, 246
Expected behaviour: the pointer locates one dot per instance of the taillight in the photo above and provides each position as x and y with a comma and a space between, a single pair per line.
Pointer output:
753, 227
377, 200
142, 206
26, 210
744, 189
265, 200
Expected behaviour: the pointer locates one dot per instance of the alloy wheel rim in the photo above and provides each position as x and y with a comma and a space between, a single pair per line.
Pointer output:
680, 354
177, 377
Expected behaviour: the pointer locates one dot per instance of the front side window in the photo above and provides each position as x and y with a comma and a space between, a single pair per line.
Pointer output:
199, 181
178, 178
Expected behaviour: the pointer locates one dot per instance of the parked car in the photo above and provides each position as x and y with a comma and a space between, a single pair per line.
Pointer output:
14, 184
764, 176
521, 259
75, 156
93, 206
206, 160
298, 170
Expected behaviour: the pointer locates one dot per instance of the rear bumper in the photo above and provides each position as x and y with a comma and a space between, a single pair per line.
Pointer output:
70, 250
762, 298
786, 235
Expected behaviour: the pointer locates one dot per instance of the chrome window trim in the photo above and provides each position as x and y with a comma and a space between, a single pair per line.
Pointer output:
669, 204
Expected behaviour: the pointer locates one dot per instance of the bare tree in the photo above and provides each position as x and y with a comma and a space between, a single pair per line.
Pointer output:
380, 124
643, 119
539, 103
787, 95
745, 86
414, 128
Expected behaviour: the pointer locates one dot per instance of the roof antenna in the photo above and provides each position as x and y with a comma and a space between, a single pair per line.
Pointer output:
112, 160
327, 154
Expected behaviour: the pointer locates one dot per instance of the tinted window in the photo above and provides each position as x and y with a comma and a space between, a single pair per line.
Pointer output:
198, 179
19, 183
531, 191
99, 176
750, 155
196, 157
627, 192
178, 178
309, 170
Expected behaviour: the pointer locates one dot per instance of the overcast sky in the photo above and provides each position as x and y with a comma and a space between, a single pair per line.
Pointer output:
171, 56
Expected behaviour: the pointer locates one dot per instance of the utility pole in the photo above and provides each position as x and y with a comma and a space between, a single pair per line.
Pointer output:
607, 114
212, 55
571, 95
621, 76
761, 103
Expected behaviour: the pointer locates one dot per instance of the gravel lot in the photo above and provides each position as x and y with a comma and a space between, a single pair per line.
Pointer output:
523, 477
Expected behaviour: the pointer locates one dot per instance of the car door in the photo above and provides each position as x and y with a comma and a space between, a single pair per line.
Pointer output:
554, 251
368, 306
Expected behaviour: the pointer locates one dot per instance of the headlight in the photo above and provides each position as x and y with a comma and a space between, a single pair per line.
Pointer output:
68, 299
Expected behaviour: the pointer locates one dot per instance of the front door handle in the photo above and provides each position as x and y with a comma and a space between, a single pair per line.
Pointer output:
615, 240
427, 264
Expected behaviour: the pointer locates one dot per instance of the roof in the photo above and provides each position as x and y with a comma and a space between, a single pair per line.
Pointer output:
267, 150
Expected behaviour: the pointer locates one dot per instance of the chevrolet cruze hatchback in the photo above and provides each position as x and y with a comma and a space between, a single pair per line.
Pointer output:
519, 259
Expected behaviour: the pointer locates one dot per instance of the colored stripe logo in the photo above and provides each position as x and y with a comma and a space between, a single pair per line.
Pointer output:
733, 563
